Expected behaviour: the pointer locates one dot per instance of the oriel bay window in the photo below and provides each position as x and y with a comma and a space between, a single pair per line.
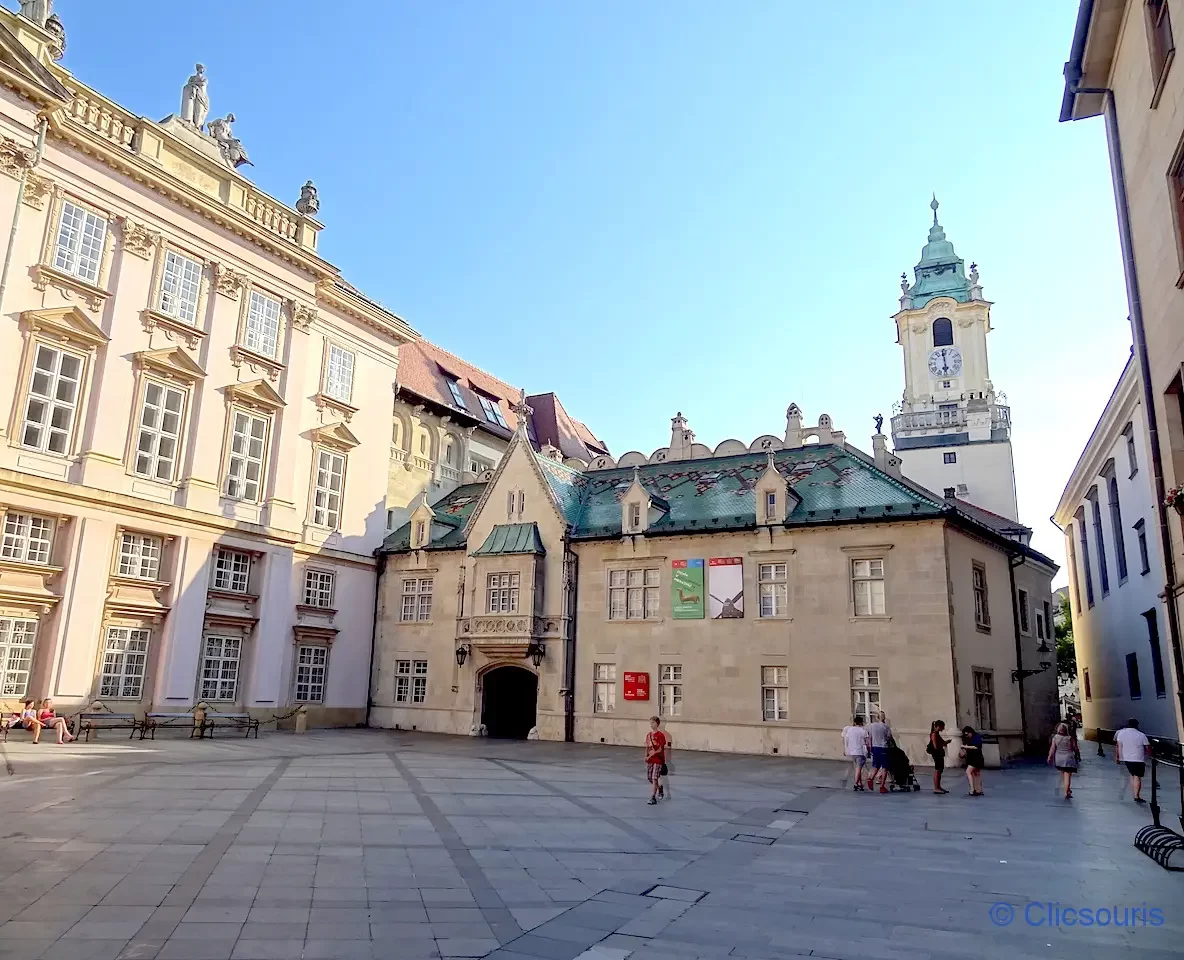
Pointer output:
501, 591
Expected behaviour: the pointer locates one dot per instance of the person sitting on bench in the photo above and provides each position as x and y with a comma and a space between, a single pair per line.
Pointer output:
28, 719
50, 719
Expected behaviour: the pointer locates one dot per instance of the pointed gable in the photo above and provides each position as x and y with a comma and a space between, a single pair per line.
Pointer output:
171, 362
518, 455
255, 393
65, 323
335, 435
20, 68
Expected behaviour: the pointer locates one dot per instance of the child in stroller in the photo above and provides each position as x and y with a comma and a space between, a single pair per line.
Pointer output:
900, 769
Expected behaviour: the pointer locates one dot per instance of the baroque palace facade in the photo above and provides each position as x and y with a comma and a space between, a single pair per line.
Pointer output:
197, 415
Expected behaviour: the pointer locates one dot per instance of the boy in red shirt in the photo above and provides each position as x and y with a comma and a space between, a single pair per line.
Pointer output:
656, 743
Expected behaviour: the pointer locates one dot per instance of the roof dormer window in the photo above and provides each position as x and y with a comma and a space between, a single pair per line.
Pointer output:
770, 505
492, 411
635, 517
454, 388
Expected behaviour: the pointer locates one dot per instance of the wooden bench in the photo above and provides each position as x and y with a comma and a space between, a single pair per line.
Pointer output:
152, 721
90, 724
230, 721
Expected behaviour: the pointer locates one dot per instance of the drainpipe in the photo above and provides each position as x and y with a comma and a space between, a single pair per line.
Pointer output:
571, 579
1019, 648
380, 566
39, 150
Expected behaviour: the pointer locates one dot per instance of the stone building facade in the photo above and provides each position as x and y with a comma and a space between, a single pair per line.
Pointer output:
195, 444
1122, 67
756, 595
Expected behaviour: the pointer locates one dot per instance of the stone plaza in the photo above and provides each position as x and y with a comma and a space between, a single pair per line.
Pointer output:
359, 845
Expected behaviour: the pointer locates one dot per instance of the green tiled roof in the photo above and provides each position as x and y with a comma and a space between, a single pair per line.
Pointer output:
568, 485
452, 511
509, 538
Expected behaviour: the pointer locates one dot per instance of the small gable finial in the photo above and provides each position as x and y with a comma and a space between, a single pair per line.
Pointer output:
933, 205
522, 412
636, 473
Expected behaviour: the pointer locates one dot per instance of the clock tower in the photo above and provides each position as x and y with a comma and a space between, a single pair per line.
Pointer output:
951, 430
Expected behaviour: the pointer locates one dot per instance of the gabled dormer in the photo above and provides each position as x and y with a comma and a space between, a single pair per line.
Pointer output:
422, 516
640, 509
772, 494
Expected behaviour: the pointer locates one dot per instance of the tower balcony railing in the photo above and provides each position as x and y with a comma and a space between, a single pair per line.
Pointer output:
947, 419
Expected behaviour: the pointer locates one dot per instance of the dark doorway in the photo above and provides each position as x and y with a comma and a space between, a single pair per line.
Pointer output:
508, 703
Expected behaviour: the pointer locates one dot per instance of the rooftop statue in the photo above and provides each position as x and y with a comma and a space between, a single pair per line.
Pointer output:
232, 149
195, 101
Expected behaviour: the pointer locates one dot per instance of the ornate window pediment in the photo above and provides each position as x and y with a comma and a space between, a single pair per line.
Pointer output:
256, 393
334, 435
171, 362
65, 324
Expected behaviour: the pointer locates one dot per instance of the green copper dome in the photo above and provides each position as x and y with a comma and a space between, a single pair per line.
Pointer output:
940, 272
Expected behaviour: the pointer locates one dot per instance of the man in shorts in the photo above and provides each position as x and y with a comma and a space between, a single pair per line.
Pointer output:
1130, 747
855, 745
655, 759
880, 734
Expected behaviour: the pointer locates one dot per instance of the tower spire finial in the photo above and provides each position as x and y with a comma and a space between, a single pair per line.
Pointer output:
933, 205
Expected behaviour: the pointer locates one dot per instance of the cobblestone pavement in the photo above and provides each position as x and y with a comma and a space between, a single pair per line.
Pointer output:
364, 844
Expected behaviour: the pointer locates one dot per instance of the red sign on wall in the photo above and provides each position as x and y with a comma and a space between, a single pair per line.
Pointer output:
637, 686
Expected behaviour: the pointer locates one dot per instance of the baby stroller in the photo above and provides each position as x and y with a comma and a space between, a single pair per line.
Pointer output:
900, 769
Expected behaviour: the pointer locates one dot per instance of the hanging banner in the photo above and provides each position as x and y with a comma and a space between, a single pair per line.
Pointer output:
725, 586
686, 589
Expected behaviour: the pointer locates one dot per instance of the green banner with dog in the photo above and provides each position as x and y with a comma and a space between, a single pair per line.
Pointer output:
686, 594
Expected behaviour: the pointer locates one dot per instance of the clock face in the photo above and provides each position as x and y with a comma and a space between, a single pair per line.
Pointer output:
945, 362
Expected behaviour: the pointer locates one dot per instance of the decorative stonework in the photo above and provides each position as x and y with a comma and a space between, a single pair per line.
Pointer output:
229, 282
340, 408
37, 191
68, 285
173, 329
14, 158
255, 362
302, 315
137, 238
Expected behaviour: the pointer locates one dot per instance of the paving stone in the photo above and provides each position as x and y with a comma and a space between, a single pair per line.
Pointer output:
460, 947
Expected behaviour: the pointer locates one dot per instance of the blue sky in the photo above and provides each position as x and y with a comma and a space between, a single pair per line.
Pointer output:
672, 206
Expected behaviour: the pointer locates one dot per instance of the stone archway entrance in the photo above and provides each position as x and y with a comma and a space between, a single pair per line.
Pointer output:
508, 701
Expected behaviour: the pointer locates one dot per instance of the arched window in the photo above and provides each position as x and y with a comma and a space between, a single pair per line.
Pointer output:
943, 332
448, 451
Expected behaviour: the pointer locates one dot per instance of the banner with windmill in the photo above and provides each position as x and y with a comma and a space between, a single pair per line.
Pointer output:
686, 594
725, 587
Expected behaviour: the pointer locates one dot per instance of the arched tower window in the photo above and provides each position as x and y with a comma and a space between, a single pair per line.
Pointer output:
943, 332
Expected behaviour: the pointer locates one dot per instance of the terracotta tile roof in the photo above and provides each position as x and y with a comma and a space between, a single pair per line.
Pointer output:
553, 425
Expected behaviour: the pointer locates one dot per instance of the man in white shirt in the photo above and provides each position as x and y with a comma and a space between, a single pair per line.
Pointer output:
880, 734
1130, 747
855, 745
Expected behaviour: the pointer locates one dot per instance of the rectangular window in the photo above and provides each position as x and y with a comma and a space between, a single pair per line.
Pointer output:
457, 397
1132, 676
311, 662
1141, 535
79, 249
865, 692
604, 687
775, 693
1089, 695
949, 458
52, 402
232, 570
219, 669
1039, 625
770, 505
125, 655
501, 592
1083, 536
984, 699
492, 411
417, 600
263, 324
330, 481
318, 588
1159, 35
160, 431
139, 556
982, 609
774, 591
1048, 624
670, 689
411, 681
1022, 603
16, 655
867, 587
1129, 432
635, 516
1103, 568
339, 373
1116, 528
27, 538
179, 287
1156, 654
479, 466
633, 594
248, 444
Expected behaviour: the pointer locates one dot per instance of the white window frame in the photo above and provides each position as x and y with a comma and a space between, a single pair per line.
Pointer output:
775, 692
125, 660
493, 412
339, 372
156, 428
416, 599
984, 695
51, 402
328, 493
411, 682
773, 587
139, 555
180, 287
28, 537
319, 588
634, 593
231, 570
604, 688
221, 670
502, 592
670, 689
263, 324
865, 692
78, 246
312, 671
239, 485
634, 516
770, 505
982, 598
868, 590
18, 641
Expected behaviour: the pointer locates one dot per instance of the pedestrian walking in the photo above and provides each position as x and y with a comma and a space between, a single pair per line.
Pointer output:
880, 733
655, 759
1064, 755
856, 743
1130, 747
971, 752
937, 750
